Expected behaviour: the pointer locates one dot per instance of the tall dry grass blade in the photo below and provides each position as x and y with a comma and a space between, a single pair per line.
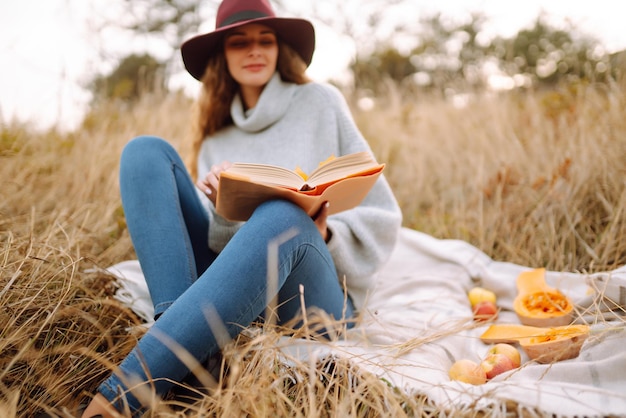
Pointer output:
8, 404
272, 273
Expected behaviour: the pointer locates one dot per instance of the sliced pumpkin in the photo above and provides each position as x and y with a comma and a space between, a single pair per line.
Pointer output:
544, 345
540, 305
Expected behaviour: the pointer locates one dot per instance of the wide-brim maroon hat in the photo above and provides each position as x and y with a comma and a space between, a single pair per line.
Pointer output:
297, 33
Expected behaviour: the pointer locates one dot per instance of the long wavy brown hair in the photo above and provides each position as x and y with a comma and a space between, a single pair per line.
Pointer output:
211, 111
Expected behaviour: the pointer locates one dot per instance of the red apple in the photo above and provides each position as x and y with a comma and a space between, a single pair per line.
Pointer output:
467, 371
508, 350
495, 364
486, 310
480, 294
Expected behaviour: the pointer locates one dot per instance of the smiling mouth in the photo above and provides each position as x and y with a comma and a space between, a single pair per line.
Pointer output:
254, 67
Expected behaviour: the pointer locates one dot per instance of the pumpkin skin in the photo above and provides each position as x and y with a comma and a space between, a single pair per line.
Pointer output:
553, 346
544, 345
539, 305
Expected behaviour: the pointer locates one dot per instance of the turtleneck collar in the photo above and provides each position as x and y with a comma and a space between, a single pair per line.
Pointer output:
272, 105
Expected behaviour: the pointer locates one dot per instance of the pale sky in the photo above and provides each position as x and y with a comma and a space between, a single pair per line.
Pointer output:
48, 48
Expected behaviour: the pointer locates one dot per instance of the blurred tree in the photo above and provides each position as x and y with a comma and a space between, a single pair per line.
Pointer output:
451, 53
455, 57
170, 20
386, 63
135, 75
544, 55
617, 62
445, 53
373, 26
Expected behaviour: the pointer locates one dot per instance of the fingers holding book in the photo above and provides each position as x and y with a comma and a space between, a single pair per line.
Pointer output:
209, 183
320, 221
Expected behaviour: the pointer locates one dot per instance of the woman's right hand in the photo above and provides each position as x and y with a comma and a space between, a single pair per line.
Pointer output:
209, 183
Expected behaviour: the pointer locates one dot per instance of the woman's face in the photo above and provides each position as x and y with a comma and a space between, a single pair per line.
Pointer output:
251, 54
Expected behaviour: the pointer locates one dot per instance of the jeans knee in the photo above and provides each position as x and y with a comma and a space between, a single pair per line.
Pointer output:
143, 151
138, 147
283, 212
280, 208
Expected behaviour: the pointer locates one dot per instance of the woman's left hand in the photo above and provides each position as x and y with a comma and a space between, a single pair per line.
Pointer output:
320, 222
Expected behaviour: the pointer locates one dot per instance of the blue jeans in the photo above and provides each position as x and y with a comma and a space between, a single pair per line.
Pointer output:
189, 283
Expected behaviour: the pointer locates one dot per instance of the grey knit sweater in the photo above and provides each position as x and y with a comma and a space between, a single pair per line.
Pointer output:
301, 125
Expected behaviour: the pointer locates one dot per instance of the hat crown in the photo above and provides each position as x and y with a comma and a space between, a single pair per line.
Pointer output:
233, 11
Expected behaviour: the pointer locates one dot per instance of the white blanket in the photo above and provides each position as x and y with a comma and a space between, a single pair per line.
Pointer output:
417, 322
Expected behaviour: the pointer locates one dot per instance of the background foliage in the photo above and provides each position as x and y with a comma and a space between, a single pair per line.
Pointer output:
419, 53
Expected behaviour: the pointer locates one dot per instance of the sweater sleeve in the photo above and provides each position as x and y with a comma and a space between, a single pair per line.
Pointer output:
221, 230
364, 237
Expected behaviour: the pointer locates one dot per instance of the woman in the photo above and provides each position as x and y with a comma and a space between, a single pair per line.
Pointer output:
256, 105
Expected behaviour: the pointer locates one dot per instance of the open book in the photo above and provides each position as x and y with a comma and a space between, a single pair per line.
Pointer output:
343, 182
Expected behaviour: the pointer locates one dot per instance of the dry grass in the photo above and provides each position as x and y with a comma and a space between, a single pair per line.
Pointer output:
534, 179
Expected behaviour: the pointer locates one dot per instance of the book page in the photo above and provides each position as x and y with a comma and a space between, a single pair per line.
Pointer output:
268, 174
342, 167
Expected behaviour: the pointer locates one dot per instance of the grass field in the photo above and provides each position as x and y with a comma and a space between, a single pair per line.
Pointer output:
535, 178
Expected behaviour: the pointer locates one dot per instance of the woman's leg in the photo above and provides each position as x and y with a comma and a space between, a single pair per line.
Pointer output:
233, 290
166, 220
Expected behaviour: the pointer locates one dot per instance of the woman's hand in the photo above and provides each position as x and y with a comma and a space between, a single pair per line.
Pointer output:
209, 183
320, 222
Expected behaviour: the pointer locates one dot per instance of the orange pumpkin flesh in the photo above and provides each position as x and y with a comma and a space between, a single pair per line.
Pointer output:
540, 305
544, 345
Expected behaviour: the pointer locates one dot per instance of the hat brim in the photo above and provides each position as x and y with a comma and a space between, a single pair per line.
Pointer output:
297, 33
